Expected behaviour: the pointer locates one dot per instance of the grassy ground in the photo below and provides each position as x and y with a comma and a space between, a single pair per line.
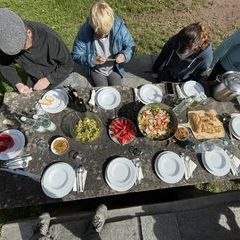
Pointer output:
142, 17
145, 22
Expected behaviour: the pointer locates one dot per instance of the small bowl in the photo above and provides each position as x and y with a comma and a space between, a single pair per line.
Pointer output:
184, 132
59, 142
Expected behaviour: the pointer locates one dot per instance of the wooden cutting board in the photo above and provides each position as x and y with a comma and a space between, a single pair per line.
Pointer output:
205, 124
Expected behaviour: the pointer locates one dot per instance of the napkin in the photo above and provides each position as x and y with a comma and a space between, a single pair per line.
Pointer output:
139, 173
179, 92
92, 98
136, 97
234, 163
82, 182
84, 177
190, 166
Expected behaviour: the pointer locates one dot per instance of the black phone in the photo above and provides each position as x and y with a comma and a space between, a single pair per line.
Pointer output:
169, 87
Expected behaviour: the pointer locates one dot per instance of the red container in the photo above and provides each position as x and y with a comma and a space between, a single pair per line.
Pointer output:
6, 142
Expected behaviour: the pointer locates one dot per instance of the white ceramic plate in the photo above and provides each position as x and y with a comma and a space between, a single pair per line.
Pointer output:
61, 100
192, 88
57, 180
169, 167
108, 98
234, 134
216, 161
150, 93
235, 126
120, 174
19, 143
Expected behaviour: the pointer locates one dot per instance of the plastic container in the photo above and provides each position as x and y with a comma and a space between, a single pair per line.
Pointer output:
209, 145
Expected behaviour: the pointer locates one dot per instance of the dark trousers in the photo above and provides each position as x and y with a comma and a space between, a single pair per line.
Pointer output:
100, 80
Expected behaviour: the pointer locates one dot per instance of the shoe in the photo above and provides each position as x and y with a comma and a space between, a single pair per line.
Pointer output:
99, 217
43, 224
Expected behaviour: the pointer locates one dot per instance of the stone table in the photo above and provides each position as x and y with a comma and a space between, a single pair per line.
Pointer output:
19, 191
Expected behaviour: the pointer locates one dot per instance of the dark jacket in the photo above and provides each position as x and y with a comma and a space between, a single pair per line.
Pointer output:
48, 57
172, 68
121, 41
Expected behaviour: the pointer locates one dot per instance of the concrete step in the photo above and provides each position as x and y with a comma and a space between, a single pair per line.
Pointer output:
212, 217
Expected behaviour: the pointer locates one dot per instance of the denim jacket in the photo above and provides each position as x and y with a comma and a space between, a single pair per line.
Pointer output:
121, 41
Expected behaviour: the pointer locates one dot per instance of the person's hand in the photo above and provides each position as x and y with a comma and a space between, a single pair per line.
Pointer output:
155, 75
23, 89
120, 58
100, 60
41, 84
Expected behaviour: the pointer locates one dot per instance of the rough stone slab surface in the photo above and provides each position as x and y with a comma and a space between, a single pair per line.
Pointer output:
18, 231
160, 227
121, 230
213, 217
214, 223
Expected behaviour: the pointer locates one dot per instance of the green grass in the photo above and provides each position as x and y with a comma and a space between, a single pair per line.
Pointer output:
66, 17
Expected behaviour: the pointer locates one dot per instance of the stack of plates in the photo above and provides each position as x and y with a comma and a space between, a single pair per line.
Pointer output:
150, 93
57, 180
120, 174
217, 161
169, 167
19, 143
60, 102
234, 126
108, 98
192, 88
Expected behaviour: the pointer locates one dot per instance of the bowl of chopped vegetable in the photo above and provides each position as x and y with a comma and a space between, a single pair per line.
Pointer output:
85, 127
157, 121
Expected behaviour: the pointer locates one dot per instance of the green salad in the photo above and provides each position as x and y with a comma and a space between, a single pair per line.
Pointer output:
86, 130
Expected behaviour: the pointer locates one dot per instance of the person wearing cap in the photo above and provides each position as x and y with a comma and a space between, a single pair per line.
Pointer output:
186, 56
103, 44
36, 48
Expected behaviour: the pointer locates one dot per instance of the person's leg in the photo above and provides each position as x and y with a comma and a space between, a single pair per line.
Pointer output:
41, 229
97, 224
75, 80
98, 79
114, 79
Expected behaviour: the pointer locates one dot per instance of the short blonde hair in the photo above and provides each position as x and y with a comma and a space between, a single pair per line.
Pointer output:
101, 17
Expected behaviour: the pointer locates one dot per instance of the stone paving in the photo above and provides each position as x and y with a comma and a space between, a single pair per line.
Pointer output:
209, 218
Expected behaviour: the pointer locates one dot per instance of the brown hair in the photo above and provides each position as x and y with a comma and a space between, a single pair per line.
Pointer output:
195, 36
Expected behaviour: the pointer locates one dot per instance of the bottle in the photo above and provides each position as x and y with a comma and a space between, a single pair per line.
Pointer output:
33, 123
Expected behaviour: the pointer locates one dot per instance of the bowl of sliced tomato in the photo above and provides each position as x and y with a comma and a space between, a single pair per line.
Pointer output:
157, 121
122, 130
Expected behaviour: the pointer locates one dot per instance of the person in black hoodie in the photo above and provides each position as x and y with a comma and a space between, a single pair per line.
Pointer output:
36, 48
186, 56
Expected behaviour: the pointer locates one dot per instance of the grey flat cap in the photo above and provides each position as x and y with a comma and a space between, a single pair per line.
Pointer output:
12, 32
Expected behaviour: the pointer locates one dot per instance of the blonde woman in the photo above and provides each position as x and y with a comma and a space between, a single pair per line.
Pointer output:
103, 44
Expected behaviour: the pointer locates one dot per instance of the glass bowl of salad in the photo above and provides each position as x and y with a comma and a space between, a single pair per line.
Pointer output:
85, 127
157, 121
